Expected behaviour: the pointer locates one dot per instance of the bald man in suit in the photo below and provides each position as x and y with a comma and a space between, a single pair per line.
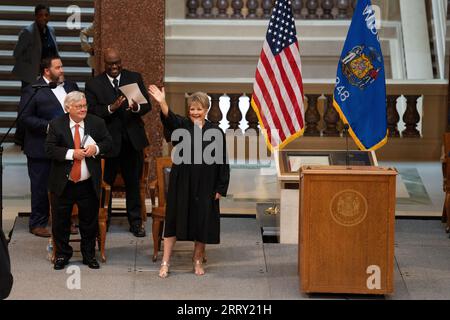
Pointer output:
126, 128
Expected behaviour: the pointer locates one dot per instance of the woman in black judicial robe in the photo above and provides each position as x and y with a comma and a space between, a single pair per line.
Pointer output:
199, 177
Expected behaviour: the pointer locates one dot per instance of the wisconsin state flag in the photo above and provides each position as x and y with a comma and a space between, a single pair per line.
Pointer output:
360, 91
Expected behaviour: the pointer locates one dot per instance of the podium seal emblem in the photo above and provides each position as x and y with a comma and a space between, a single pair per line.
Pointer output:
348, 208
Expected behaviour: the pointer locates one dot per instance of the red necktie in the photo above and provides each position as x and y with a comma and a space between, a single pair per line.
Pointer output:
75, 173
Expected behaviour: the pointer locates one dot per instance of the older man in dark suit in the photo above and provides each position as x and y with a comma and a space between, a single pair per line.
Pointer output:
75, 176
46, 105
126, 128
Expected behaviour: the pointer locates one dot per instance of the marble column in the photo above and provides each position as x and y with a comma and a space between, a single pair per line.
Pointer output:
416, 40
136, 29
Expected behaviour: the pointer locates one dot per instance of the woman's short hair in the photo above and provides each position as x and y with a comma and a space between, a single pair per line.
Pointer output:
199, 97
72, 97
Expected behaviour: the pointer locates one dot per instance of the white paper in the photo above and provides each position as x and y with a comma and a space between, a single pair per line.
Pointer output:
132, 92
89, 141
296, 162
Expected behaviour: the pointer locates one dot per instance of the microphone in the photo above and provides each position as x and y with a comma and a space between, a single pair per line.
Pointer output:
51, 85
346, 127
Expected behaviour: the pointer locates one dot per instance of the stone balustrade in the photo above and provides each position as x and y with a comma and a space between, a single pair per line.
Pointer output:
416, 114
261, 9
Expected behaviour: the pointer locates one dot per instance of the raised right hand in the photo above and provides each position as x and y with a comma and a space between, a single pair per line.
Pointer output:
158, 95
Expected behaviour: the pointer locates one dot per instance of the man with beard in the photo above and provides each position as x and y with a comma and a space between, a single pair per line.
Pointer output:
126, 127
46, 105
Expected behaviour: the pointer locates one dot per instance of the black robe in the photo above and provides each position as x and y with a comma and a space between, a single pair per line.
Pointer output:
192, 213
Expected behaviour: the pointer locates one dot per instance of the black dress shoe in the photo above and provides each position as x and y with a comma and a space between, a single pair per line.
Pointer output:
60, 263
41, 232
138, 231
91, 263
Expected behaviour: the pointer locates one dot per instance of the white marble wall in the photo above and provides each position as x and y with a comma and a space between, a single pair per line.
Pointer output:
416, 40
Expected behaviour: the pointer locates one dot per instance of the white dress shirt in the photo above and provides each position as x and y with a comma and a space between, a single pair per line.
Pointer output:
59, 92
111, 79
69, 155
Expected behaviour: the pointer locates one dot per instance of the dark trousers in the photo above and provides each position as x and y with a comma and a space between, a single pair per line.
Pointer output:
39, 171
19, 134
83, 195
130, 163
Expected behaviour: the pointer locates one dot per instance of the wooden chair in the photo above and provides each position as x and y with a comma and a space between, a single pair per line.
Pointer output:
160, 187
119, 185
445, 160
105, 195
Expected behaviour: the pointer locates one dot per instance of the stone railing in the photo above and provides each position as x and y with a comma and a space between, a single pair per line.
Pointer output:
416, 115
261, 9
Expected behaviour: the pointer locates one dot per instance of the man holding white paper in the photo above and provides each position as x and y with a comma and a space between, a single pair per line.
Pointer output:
119, 97
75, 176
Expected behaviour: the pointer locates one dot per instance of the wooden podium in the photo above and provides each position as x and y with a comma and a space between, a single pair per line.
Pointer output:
346, 229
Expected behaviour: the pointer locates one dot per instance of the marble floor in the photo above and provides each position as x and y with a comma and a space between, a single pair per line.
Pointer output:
241, 267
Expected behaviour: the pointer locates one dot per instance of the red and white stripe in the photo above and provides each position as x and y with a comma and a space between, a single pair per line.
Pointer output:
278, 93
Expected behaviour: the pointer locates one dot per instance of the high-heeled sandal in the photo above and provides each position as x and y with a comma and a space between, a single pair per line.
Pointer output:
198, 268
164, 270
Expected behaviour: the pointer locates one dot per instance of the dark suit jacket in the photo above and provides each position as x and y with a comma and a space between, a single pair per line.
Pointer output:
37, 115
27, 53
100, 94
6, 279
59, 141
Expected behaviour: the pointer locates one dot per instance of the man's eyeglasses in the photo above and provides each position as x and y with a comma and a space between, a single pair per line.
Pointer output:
80, 106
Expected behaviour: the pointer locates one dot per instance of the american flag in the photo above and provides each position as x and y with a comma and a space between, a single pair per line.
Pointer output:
278, 89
